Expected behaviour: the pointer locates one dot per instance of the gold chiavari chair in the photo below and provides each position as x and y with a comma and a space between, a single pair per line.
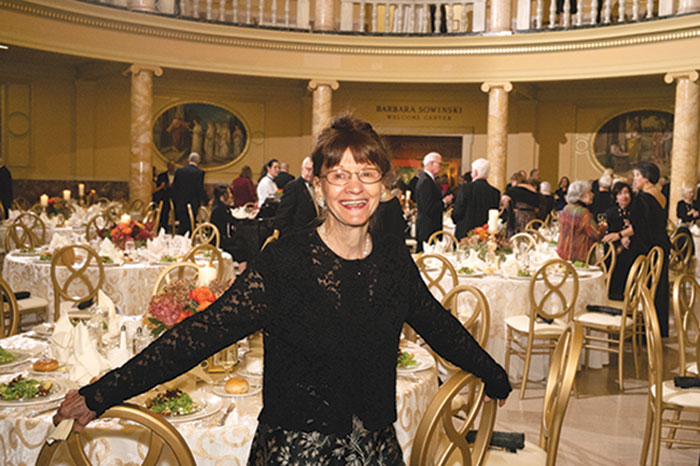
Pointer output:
2, 212
114, 211
670, 228
209, 253
35, 224
160, 433
203, 214
681, 255
541, 336
79, 272
560, 380
273, 237
98, 221
206, 233
441, 436
617, 328
36, 209
172, 221
18, 236
603, 255
685, 295
535, 224
525, 239
9, 321
137, 206
153, 212
176, 271
663, 395
104, 201
20, 203
190, 215
449, 238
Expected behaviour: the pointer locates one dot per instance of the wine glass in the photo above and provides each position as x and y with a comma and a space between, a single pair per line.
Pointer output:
228, 358
129, 248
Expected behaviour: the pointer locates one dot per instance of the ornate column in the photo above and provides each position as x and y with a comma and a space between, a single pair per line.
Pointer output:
322, 104
500, 19
684, 154
141, 134
688, 6
497, 131
142, 5
324, 15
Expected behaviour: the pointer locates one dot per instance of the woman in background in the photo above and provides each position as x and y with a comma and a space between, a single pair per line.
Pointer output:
578, 229
231, 242
618, 217
242, 188
560, 193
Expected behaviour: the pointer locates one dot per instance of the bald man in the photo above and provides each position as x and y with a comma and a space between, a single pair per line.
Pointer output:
297, 209
429, 200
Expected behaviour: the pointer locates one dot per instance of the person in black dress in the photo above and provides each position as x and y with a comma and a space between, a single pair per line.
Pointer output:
388, 219
618, 218
685, 211
560, 193
331, 331
522, 202
546, 200
231, 240
164, 192
602, 199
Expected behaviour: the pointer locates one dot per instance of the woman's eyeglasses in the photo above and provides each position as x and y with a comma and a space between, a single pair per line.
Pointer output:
340, 177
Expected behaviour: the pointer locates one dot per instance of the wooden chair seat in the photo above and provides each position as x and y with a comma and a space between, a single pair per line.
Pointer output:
604, 320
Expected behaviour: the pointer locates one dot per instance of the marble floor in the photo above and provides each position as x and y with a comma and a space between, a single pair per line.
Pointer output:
602, 426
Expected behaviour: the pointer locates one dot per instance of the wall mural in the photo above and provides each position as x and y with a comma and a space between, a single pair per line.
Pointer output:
632, 137
216, 133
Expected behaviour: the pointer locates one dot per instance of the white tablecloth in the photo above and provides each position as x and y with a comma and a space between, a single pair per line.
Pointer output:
63, 231
129, 285
22, 432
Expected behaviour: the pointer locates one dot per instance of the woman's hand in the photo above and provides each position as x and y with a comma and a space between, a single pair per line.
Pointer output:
74, 407
625, 242
611, 237
500, 402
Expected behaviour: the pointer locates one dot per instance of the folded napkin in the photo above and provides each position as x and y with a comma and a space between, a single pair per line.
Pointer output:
686, 382
114, 322
613, 311
84, 362
119, 355
61, 431
13, 214
473, 262
108, 249
510, 265
510, 441
61, 340
58, 241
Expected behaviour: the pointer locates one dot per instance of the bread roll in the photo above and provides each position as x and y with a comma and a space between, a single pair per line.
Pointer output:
45, 365
236, 386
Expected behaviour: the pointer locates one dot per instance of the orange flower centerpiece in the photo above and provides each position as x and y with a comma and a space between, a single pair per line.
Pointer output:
132, 230
178, 301
480, 240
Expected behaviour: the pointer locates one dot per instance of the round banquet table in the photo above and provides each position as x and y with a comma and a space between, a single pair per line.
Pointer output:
24, 430
129, 285
66, 232
509, 296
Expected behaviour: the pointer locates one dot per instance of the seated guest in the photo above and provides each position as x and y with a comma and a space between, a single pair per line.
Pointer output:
546, 200
232, 243
602, 199
618, 219
560, 193
242, 188
578, 229
297, 209
522, 201
685, 211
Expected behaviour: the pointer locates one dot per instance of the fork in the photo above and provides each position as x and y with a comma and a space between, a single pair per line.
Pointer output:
228, 411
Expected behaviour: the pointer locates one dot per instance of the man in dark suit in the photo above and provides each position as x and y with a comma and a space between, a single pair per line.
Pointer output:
164, 192
474, 200
284, 177
414, 183
6, 196
429, 200
297, 209
188, 188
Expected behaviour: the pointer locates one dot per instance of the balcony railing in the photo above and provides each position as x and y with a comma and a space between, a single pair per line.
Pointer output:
417, 17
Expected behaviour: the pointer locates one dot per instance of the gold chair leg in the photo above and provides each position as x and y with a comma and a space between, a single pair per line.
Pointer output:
672, 430
526, 368
636, 358
621, 361
647, 435
509, 338
587, 342
656, 445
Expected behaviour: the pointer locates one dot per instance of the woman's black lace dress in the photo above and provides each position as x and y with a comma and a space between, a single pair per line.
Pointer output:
331, 332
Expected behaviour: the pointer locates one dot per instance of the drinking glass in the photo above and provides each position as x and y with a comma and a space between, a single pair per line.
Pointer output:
228, 358
129, 248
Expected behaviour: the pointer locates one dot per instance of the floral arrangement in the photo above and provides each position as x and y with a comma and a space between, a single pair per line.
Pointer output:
480, 240
179, 300
58, 206
120, 233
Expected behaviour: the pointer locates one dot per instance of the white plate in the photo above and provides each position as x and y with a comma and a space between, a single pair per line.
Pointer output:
21, 359
26, 254
420, 365
245, 373
254, 387
208, 404
470, 275
58, 391
514, 277
45, 329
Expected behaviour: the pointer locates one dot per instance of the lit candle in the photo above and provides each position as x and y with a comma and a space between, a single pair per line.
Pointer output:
125, 218
44, 200
206, 275
81, 189
493, 221
66, 194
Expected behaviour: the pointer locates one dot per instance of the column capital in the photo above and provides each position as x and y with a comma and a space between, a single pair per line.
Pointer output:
316, 83
139, 67
691, 75
505, 85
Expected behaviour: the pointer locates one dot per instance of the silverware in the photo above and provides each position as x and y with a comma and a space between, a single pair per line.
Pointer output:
230, 408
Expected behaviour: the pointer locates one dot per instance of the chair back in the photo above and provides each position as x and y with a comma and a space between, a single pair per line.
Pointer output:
114, 211
447, 237
78, 283
206, 233
18, 236
160, 433
190, 215
441, 436
654, 349
2, 212
36, 209
209, 253
636, 280
685, 295
655, 260
137, 208
176, 271
524, 239
554, 301
99, 221
9, 321
535, 224
438, 273
20, 203
35, 224
560, 381
681, 253
603, 255
273, 237
670, 227
203, 214
468, 305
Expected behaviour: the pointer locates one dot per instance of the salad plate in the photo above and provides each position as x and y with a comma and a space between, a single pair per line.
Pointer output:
254, 387
474, 274
412, 363
20, 358
205, 404
56, 392
28, 253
